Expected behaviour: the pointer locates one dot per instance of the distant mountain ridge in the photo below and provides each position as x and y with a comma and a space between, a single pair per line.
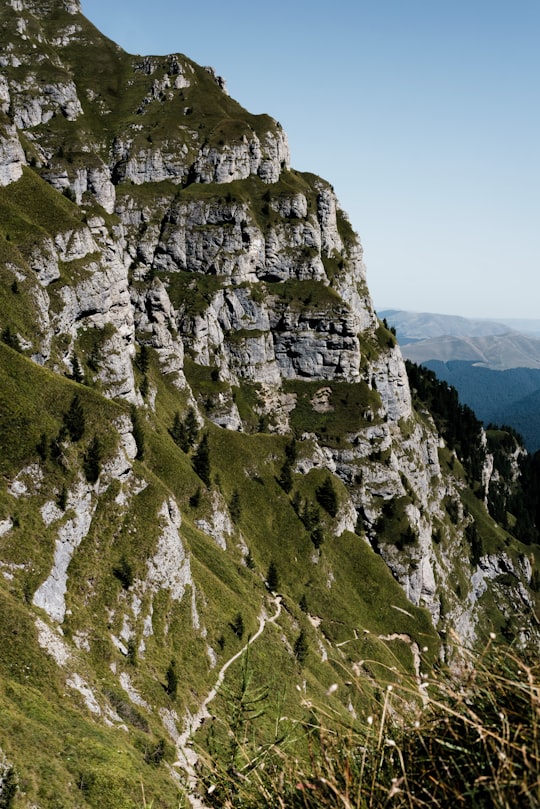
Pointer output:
415, 326
495, 369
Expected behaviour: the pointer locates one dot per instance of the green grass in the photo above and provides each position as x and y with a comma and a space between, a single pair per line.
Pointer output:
30, 208
312, 295
348, 406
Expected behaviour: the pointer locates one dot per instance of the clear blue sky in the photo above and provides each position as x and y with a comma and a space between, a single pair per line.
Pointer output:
423, 114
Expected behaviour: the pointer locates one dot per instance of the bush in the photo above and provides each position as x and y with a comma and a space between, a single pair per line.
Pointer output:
237, 625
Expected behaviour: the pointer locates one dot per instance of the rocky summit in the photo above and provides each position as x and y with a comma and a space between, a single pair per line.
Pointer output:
214, 467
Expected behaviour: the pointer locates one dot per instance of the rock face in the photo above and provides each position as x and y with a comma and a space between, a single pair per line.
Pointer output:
202, 309
234, 261
11, 156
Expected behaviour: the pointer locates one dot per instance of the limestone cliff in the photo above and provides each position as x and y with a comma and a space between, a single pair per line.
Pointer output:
211, 392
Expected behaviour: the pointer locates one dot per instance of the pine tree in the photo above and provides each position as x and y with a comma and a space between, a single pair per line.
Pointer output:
92, 461
143, 359
76, 370
184, 433
290, 451
235, 507
191, 427
237, 625
301, 648
272, 577
327, 497
172, 679
285, 479
74, 419
201, 460
178, 433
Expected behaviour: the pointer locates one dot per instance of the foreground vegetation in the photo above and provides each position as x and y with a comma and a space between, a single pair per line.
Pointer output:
464, 738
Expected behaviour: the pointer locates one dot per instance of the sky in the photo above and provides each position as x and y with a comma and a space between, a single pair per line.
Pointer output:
423, 114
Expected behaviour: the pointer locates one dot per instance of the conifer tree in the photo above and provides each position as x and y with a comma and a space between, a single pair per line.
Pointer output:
285, 478
92, 460
272, 577
235, 507
178, 432
74, 421
201, 460
191, 427
171, 679
76, 370
327, 497
301, 648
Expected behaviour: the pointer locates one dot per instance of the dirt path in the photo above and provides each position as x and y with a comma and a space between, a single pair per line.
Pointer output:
187, 757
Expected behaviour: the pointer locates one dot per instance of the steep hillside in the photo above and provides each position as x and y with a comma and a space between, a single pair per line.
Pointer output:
208, 439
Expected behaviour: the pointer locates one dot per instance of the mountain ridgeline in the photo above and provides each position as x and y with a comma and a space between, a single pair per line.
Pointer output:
216, 485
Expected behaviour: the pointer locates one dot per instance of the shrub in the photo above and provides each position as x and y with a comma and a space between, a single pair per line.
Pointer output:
237, 625
123, 571
11, 339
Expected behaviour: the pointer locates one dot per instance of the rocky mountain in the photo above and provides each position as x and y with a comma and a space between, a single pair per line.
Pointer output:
209, 442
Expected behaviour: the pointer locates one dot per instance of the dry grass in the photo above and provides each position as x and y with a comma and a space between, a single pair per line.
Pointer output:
466, 738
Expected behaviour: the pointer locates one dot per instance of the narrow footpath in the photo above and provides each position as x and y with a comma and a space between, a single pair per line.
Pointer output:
187, 757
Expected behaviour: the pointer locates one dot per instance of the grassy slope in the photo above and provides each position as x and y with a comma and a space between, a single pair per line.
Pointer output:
33, 691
